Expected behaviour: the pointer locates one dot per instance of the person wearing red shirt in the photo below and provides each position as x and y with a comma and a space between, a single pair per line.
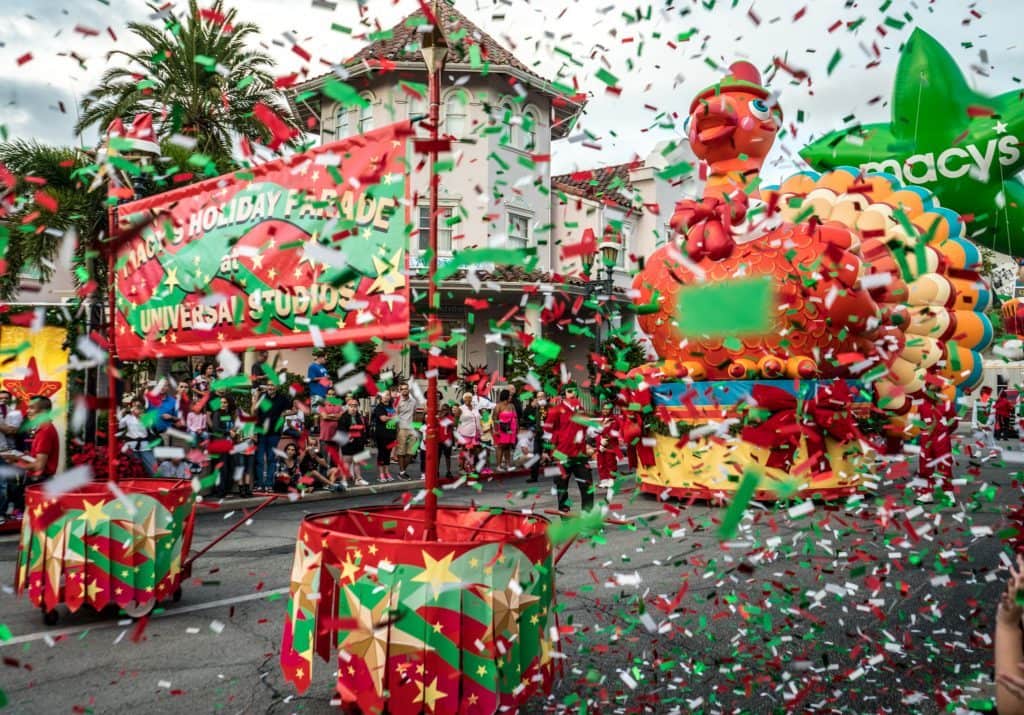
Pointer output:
609, 446
568, 440
43, 457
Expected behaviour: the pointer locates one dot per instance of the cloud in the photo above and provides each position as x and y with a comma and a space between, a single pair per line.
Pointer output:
31, 110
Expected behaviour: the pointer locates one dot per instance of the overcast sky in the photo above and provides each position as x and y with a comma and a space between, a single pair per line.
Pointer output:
39, 95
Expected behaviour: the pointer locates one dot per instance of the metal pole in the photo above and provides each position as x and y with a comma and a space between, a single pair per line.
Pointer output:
111, 374
433, 453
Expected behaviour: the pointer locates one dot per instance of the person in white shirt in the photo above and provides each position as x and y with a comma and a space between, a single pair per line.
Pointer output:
135, 437
983, 424
11, 419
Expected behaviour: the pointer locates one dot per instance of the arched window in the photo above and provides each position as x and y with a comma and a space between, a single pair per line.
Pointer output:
417, 106
366, 114
341, 123
455, 115
531, 119
508, 116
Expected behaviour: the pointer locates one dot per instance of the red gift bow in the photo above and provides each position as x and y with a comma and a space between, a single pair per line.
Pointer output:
708, 225
825, 415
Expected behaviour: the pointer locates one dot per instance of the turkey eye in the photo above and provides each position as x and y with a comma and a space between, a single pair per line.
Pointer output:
760, 110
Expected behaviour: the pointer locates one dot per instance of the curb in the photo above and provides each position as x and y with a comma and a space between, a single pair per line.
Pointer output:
211, 504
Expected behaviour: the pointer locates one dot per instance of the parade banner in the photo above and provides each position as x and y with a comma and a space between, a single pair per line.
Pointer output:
305, 250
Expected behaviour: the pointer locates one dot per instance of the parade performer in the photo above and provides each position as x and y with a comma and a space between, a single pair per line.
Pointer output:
569, 450
609, 446
983, 421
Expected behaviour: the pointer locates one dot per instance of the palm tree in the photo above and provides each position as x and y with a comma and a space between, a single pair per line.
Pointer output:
197, 78
49, 196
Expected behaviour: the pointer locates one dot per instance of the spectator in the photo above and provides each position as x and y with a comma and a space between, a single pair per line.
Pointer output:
609, 446
467, 433
534, 415
385, 432
408, 439
330, 412
288, 469
244, 452
1009, 651
569, 450
197, 422
11, 419
203, 380
316, 467
319, 379
258, 373
506, 430
163, 414
270, 409
983, 417
43, 456
517, 403
174, 468
446, 438
221, 448
486, 438
136, 437
351, 426
182, 405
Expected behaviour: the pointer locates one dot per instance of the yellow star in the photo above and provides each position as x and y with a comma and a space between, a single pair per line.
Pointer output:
174, 337
474, 562
372, 549
349, 569
297, 272
389, 274
257, 261
437, 627
272, 274
92, 513
171, 281
92, 589
481, 670
437, 573
429, 695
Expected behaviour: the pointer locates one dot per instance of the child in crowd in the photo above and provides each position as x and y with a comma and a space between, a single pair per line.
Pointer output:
174, 468
196, 422
315, 467
288, 469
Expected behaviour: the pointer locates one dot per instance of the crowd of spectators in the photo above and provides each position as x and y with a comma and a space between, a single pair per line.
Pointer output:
264, 436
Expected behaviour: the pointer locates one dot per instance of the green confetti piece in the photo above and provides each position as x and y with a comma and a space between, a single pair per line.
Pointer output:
206, 61
344, 94
545, 349
727, 309
675, 171
5, 632
475, 60
738, 505
607, 77
834, 61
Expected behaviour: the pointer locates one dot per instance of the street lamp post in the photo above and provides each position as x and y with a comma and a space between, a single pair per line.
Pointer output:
435, 51
600, 288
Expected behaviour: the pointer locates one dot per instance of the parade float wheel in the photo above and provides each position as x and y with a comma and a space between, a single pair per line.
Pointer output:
176, 596
139, 610
50, 617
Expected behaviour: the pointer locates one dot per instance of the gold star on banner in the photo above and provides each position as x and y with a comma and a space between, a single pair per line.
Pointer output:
171, 281
436, 626
297, 272
473, 698
372, 549
481, 670
272, 274
374, 639
92, 513
430, 694
257, 261
389, 274
437, 573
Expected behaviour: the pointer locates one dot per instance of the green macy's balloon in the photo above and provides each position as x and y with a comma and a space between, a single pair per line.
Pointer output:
963, 146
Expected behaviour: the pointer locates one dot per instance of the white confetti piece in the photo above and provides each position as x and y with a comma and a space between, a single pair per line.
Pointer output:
217, 627
802, 509
68, 481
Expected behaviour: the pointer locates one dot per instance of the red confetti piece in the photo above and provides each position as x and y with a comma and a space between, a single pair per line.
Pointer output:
24, 58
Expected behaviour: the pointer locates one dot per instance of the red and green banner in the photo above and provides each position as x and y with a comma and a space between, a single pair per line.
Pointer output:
95, 547
461, 624
305, 250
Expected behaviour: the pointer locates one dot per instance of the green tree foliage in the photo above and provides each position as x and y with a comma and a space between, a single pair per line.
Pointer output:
197, 76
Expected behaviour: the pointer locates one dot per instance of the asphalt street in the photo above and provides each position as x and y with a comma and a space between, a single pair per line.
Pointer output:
880, 604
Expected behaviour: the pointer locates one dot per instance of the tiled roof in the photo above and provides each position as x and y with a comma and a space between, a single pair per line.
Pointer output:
514, 274
401, 43
607, 184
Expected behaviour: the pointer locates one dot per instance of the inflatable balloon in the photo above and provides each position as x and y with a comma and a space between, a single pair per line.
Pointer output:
963, 146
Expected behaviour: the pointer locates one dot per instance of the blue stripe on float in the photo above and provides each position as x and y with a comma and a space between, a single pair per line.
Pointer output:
977, 371
719, 393
956, 226
987, 336
984, 300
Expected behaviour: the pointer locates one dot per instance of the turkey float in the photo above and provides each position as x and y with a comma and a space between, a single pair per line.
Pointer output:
873, 317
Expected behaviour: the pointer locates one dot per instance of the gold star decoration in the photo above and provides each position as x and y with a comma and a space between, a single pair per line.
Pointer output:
349, 569
507, 605
92, 514
437, 573
92, 589
375, 639
171, 281
430, 694
144, 536
389, 274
